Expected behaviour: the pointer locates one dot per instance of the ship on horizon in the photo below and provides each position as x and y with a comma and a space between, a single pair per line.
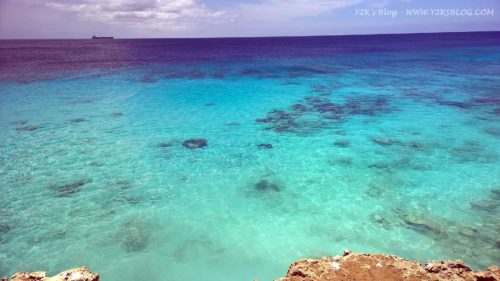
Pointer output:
102, 37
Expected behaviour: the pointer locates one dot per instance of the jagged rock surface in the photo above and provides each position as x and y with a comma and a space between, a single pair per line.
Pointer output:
75, 274
357, 267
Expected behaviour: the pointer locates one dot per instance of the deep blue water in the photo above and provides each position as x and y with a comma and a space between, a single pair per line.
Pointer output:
386, 143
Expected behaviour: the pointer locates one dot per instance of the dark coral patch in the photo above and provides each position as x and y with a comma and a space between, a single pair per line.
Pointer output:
195, 143
299, 107
341, 161
422, 223
265, 146
487, 100
473, 151
4, 227
291, 83
166, 144
384, 141
192, 75
265, 185
458, 104
29, 128
342, 143
314, 113
484, 205
65, 190
77, 120
263, 120
493, 131
135, 237
369, 106
495, 194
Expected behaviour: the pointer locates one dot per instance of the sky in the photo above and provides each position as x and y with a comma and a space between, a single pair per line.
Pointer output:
21, 19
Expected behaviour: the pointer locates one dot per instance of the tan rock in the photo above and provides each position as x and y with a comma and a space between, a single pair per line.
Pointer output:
75, 274
361, 267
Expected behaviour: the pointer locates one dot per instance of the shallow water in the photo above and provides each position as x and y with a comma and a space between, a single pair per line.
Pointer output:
375, 150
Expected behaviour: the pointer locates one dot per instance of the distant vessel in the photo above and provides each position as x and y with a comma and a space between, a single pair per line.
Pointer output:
103, 37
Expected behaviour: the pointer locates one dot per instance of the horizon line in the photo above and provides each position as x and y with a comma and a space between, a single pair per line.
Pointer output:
250, 37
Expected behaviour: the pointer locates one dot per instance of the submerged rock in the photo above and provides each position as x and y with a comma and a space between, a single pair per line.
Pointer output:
468, 231
29, 128
381, 220
265, 146
342, 161
422, 224
473, 151
356, 266
136, 236
4, 227
265, 185
458, 104
484, 205
122, 184
342, 143
380, 165
493, 131
70, 188
75, 274
195, 143
166, 144
495, 193
77, 120
384, 141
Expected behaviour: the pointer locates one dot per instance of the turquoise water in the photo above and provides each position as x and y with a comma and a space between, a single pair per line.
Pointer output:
384, 152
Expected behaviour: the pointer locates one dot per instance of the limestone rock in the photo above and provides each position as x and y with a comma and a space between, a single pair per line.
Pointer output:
356, 266
75, 274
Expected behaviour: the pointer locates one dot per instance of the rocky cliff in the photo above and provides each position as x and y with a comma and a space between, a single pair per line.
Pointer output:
357, 267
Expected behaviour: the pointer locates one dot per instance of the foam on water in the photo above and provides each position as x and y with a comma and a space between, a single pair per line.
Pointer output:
379, 152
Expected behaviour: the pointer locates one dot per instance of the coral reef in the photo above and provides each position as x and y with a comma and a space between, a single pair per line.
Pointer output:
356, 266
264, 185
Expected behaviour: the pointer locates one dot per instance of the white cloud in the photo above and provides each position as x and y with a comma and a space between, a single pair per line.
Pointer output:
149, 14
183, 15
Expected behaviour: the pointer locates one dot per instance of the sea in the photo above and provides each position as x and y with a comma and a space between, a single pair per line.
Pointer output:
230, 158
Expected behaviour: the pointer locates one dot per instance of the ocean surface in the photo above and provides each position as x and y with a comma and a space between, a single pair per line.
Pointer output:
228, 159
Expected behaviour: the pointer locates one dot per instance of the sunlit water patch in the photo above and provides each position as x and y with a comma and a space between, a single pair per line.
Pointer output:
234, 169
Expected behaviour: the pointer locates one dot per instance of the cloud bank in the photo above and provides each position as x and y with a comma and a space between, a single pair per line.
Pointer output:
149, 14
192, 14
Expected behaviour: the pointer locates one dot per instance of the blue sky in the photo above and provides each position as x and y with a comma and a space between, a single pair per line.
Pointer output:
222, 18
